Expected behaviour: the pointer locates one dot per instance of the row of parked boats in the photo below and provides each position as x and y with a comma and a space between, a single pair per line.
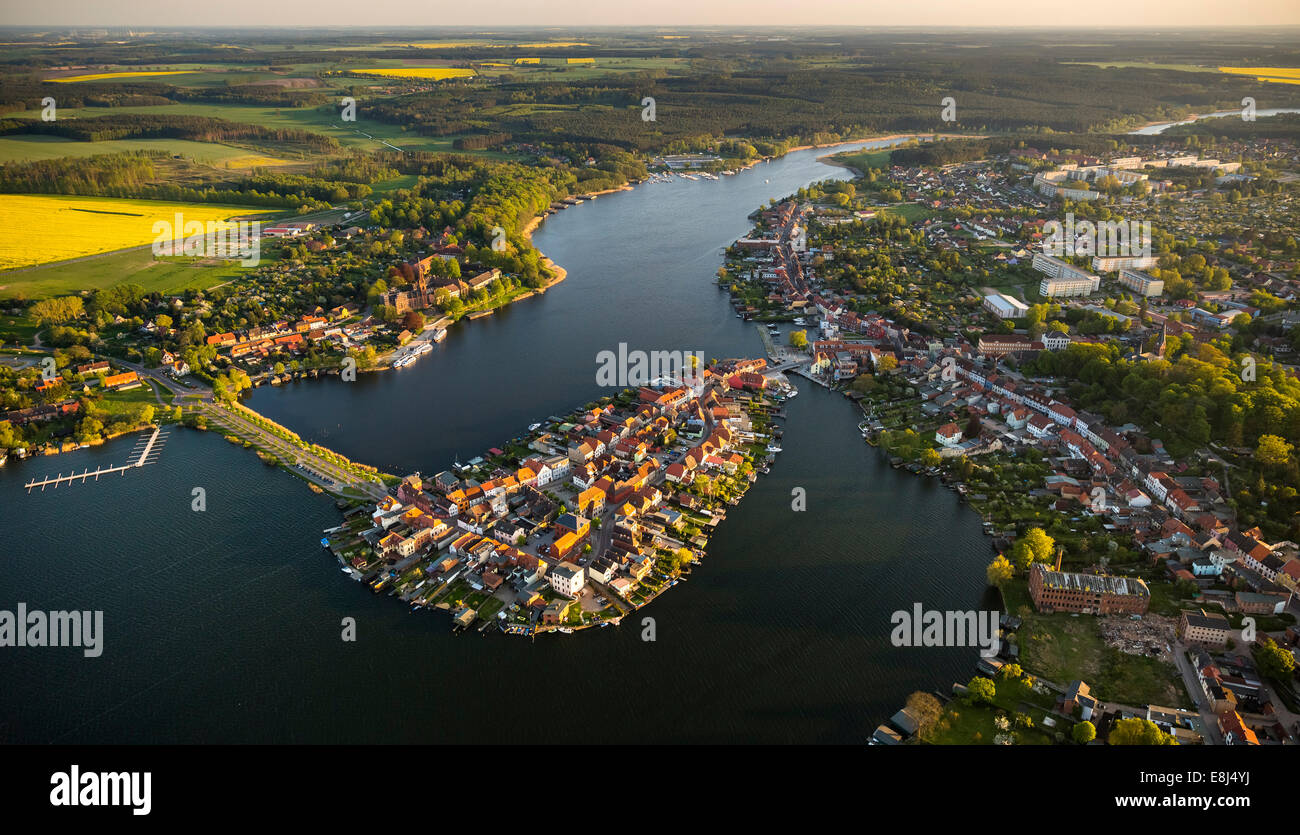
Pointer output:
668, 176
412, 354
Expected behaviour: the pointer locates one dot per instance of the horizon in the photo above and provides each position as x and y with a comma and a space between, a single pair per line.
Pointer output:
730, 14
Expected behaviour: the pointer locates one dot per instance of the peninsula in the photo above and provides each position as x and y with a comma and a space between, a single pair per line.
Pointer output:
583, 519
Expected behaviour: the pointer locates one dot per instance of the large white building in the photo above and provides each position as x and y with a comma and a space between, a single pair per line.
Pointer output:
1056, 268
1063, 279
567, 579
1140, 282
1104, 264
1057, 287
1005, 307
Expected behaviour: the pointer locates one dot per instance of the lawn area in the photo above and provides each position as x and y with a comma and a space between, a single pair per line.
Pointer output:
1137, 680
136, 266
403, 181
19, 330
1061, 647
862, 160
490, 608
965, 723
911, 212
123, 402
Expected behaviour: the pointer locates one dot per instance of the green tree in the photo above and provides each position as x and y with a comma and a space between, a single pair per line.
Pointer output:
1137, 731
999, 571
1274, 661
1034, 546
982, 690
1273, 451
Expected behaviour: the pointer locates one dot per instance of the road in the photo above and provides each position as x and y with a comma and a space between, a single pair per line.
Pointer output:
306, 463
1193, 684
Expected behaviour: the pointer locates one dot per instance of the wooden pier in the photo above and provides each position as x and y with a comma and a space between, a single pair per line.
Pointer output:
146, 451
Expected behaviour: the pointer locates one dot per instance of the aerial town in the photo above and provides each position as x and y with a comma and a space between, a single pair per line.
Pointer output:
581, 521
969, 375
1019, 310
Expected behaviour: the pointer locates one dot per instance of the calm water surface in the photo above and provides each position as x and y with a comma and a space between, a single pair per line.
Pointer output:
224, 626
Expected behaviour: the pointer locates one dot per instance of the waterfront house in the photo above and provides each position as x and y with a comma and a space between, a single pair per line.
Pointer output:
555, 612
948, 435
567, 579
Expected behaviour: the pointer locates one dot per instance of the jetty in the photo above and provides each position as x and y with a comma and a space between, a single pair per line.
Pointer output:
145, 452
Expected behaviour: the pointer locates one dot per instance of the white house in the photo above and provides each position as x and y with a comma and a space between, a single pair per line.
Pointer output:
567, 579
948, 435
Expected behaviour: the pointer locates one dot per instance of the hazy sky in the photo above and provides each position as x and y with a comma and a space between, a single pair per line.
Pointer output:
143, 14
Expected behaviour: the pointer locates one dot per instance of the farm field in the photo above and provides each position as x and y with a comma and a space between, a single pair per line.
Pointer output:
434, 73
324, 121
135, 266
117, 76
1280, 75
31, 147
47, 228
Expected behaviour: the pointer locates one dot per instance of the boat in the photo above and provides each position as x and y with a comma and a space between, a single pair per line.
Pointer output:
422, 348
773, 448
533, 427
404, 361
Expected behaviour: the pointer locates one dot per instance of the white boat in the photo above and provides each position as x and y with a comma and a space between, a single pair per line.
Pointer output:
404, 361
533, 427
422, 348
773, 448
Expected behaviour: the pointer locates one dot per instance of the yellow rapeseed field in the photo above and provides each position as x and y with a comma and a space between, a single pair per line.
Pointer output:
253, 161
435, 73
40, 229
1283, 75
528, 60
582, 60
102, 75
